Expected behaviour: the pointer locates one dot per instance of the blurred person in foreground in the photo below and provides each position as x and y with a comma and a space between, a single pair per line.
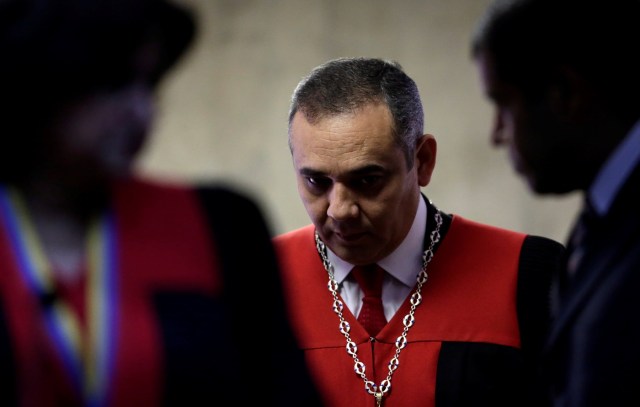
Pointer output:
463, 306
116, 290
566, 91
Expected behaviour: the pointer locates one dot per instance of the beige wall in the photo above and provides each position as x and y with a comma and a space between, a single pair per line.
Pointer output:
223, 111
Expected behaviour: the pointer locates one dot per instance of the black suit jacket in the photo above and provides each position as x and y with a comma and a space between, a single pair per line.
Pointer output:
257, 328
593, 350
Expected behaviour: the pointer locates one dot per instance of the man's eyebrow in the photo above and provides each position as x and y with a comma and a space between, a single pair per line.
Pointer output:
356, 172
310, 172
367, 169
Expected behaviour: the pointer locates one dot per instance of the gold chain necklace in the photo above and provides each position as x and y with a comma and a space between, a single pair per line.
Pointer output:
380, 390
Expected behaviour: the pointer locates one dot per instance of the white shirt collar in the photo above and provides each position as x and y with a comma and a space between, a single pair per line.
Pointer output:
615, 171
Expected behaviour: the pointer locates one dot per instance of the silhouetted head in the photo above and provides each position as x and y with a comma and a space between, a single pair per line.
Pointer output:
56, 52
563, 78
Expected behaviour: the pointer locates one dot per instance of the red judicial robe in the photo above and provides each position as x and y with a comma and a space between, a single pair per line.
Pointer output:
184, 288
464, 348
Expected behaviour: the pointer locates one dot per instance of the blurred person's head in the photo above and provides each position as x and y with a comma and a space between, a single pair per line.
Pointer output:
564, 81
78, 79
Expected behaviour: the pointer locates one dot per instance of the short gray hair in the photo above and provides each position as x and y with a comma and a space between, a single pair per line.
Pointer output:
345, 85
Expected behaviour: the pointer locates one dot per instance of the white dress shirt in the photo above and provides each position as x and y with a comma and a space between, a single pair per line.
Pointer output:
402, 267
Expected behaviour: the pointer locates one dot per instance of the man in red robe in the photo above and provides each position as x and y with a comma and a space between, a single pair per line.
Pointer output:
466, 304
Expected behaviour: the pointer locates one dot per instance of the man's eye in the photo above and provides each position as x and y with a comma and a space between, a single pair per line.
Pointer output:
370, 181
318, 182
371, 184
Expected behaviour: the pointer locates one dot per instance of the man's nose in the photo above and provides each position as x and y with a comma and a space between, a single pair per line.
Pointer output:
342, 203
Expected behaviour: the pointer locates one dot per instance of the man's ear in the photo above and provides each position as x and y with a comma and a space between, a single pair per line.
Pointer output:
569, 94
426, 158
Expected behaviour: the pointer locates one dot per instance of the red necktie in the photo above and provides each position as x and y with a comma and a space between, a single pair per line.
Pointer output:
369, 278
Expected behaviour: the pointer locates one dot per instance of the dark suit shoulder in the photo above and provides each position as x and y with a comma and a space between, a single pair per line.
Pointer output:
541, 259
253, 295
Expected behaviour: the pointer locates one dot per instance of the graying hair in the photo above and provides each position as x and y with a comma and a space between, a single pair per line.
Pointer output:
345, 85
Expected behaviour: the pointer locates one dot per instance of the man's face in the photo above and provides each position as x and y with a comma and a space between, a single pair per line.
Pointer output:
101, 134
354, 182
98, 135
540, 142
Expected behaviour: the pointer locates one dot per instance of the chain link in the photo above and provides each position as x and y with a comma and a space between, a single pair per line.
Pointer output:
380, 390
